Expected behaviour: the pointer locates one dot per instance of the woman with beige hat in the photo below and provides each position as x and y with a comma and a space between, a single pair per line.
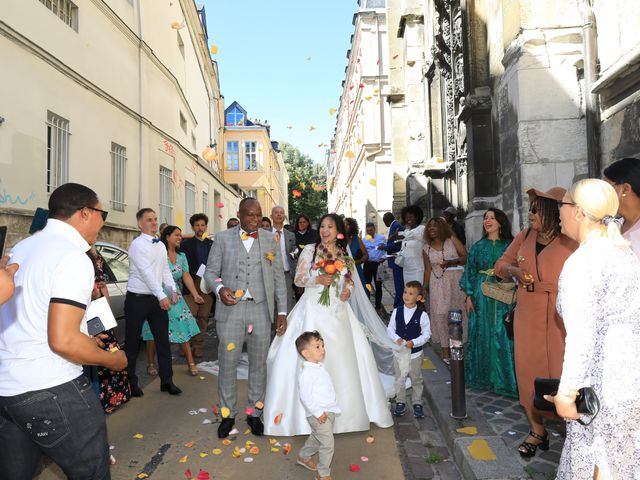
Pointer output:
535, 258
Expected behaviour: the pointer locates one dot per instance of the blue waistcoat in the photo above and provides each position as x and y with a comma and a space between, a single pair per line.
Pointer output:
410, 330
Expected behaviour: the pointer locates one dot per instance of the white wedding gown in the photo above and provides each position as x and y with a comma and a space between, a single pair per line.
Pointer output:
349, 361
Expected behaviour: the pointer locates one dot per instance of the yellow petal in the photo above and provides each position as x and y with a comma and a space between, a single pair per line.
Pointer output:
275, 449
214, 49
332, 111
373, 182
138, 436
272, 441
247, 431
183, 459
231, 346
202, 454
142, 475
349, 154
224, 411
216, 451
312, 128
368, 97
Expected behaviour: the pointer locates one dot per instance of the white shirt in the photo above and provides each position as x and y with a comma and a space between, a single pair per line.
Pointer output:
425, 334
317, 394
148, 267
54, 268
283, 248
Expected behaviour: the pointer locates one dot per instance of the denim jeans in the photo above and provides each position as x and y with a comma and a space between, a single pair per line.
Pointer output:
65, 422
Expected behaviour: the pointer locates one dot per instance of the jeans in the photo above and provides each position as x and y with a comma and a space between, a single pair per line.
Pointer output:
65, 422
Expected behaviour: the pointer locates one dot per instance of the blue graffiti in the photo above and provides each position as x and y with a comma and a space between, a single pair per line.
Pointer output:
7, 198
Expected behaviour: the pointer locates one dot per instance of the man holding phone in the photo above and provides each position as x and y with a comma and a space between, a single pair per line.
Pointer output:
47, 406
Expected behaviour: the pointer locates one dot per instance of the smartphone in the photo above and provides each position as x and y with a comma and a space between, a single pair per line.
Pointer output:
3, 239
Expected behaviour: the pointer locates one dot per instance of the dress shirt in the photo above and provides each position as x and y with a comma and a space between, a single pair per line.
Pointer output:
148, 268
375, 254
317, 394
283, 248
425, 334
54, 268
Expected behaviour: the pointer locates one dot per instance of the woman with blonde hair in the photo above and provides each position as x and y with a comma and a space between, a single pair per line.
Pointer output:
599, 300
443, 256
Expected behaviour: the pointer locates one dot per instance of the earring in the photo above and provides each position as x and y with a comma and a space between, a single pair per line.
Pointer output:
624, 194
577, 219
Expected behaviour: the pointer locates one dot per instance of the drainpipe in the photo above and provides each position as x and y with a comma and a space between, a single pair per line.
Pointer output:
592, 111
139, 104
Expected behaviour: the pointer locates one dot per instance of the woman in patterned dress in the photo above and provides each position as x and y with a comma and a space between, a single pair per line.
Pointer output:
599, 300
443, 256
182, 325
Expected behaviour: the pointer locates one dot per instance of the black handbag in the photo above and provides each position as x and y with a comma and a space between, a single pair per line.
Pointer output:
587, 401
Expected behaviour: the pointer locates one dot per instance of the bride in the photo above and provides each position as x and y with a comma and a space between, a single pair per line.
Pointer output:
349, 358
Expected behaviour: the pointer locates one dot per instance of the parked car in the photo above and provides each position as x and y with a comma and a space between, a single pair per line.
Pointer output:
117, 267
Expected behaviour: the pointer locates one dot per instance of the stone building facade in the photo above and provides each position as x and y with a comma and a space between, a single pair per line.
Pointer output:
118, 95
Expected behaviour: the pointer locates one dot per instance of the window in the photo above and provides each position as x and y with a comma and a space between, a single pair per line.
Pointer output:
193, 140
250, 158
118, 176
233, 162
166, 196
235, 117
205, 198
183, 123
252, 194
189, 202
117, 261
65, 10
57, 151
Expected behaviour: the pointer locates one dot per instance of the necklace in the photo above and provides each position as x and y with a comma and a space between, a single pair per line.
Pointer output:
433, 265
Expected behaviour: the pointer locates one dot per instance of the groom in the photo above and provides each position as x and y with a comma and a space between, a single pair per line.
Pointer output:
245, 270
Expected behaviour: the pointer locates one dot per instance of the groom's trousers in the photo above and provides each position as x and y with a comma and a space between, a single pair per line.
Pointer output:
234, 330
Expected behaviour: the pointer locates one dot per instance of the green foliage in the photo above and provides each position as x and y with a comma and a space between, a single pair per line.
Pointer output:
434, 458
304, 175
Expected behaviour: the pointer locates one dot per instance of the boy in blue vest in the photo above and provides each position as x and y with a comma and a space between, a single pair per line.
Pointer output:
409, 327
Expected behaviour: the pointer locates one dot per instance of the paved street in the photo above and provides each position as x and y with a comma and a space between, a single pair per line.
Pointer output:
436, 447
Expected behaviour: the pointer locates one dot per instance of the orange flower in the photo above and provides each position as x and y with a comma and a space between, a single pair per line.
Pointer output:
330, 268
339, 265
321, 263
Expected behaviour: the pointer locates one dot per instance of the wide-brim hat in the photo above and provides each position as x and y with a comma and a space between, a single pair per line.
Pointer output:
555, 193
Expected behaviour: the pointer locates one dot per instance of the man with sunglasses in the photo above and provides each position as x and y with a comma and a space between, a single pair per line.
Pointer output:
47, 406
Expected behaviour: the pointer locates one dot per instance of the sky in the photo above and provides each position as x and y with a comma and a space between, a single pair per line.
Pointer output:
284, 61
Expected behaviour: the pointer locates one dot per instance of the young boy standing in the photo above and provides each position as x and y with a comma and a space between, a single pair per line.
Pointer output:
409, 327
318, 398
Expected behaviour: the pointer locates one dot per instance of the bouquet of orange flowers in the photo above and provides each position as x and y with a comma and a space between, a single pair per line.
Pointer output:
337, 266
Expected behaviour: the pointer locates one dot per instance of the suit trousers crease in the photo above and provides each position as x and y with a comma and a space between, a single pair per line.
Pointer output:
233, 329
320, 441
137, 310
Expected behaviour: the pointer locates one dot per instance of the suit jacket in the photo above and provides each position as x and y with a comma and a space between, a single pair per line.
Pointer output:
392, 245
189, 248
291, 247
223, 263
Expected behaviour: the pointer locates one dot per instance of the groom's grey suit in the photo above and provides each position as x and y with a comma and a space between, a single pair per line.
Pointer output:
249, 271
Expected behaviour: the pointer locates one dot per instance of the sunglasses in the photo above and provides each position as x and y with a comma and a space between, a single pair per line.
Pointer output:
104, 213
561, 203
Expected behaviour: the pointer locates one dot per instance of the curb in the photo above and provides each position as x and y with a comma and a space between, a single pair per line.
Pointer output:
479, 452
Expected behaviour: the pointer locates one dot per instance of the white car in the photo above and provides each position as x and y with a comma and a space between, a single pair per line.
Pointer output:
117, 268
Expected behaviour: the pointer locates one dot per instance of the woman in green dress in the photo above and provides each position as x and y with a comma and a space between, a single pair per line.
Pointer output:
182, 325
489, 362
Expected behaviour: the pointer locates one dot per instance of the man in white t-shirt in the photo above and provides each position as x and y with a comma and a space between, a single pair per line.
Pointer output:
46, 404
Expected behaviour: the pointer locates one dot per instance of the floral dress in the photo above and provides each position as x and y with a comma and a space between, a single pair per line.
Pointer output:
182, 325
489, 362
599, 300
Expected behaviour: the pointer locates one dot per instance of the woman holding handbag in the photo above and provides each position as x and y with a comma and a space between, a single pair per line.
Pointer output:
599, 299
535, 258
489, 363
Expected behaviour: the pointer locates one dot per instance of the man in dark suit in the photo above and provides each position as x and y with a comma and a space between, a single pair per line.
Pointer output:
197, 251
393, 246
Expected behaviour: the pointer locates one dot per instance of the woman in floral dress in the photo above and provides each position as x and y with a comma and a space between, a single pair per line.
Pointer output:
182, 325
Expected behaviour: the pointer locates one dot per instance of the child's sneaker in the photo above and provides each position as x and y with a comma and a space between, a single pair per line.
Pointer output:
400, 409
308, 463
418, 411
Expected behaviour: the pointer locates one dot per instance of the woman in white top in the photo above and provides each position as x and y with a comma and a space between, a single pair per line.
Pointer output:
412, 243
599, 300
624, 175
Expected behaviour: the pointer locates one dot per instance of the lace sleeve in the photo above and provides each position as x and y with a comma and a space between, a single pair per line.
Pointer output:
304, 276
578, 304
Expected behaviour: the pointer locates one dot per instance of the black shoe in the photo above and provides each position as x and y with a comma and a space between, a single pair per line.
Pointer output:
256, 426
136, 391
170, 388
528, 449
225, 427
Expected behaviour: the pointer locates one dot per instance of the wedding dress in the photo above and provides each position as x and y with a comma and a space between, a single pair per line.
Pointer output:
349, 361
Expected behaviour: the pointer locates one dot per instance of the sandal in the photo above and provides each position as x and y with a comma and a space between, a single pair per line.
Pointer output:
152, 369
193, 370
528, 449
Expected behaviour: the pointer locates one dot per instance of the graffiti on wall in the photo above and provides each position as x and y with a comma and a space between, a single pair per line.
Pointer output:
14, 199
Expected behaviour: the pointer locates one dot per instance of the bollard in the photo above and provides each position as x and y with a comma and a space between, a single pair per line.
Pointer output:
458, 399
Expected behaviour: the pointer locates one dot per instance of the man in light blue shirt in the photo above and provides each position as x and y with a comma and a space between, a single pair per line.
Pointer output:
373, 241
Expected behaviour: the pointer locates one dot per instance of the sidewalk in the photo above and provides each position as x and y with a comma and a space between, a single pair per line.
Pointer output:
482, 446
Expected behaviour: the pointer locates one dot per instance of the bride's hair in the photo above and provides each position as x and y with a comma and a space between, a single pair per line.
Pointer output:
340, 242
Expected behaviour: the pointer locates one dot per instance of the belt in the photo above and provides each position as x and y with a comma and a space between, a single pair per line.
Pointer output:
140, 294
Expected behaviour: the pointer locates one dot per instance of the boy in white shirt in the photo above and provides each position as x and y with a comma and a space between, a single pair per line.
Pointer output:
409, 326
318, 398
